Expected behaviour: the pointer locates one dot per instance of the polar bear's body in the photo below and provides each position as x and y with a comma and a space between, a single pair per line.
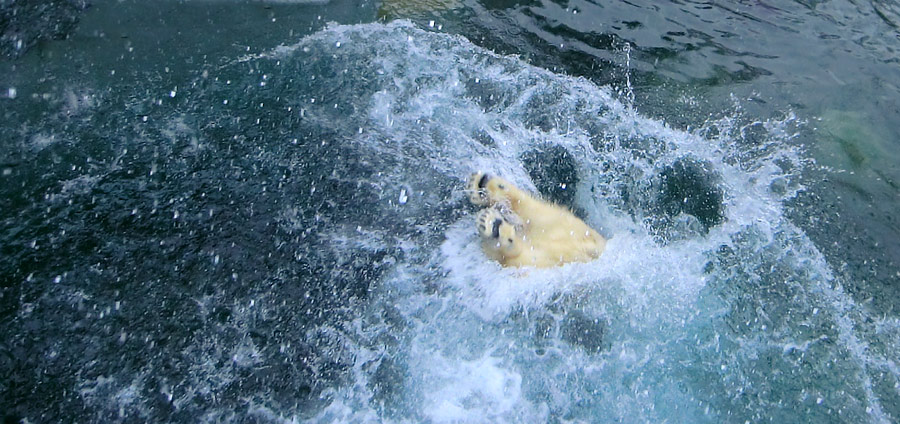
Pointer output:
518, 229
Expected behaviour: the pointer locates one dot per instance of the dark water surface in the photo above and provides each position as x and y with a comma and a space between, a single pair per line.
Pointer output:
238, 211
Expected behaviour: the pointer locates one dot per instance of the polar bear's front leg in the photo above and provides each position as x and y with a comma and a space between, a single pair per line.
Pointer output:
476, 189
488, 190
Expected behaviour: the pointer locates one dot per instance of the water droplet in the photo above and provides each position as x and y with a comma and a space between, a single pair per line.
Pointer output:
403, 197
431, 24
172, 93
57, 279
11, 92
338, 44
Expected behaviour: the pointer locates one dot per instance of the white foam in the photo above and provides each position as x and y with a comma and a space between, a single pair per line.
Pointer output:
473, 347
472, 391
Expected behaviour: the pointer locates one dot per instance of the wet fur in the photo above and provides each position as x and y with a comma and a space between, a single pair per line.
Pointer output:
518, 229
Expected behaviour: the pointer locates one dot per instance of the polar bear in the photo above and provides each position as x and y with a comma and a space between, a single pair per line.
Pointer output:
518, 229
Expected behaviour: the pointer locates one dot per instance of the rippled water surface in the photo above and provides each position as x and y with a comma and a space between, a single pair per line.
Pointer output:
249, 211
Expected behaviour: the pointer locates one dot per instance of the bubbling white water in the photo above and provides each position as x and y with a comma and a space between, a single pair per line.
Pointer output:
740, 322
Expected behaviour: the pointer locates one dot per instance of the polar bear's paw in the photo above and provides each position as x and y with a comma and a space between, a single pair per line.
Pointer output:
497, 230
488, 222
475, 188
487, 190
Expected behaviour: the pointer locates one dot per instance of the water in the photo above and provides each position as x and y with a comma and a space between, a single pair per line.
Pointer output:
268, 224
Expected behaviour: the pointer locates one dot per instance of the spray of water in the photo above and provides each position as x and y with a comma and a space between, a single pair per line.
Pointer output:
341, 251
708, 305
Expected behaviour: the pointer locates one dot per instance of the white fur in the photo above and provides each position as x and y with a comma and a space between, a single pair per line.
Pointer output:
518, 229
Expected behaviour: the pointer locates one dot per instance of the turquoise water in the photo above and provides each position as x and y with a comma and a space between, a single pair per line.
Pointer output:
238, 211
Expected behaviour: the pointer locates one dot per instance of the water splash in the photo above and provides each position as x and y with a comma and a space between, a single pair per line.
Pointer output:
340, 278
670, 296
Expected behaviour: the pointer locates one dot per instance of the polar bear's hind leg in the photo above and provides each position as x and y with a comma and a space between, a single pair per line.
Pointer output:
499, 236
